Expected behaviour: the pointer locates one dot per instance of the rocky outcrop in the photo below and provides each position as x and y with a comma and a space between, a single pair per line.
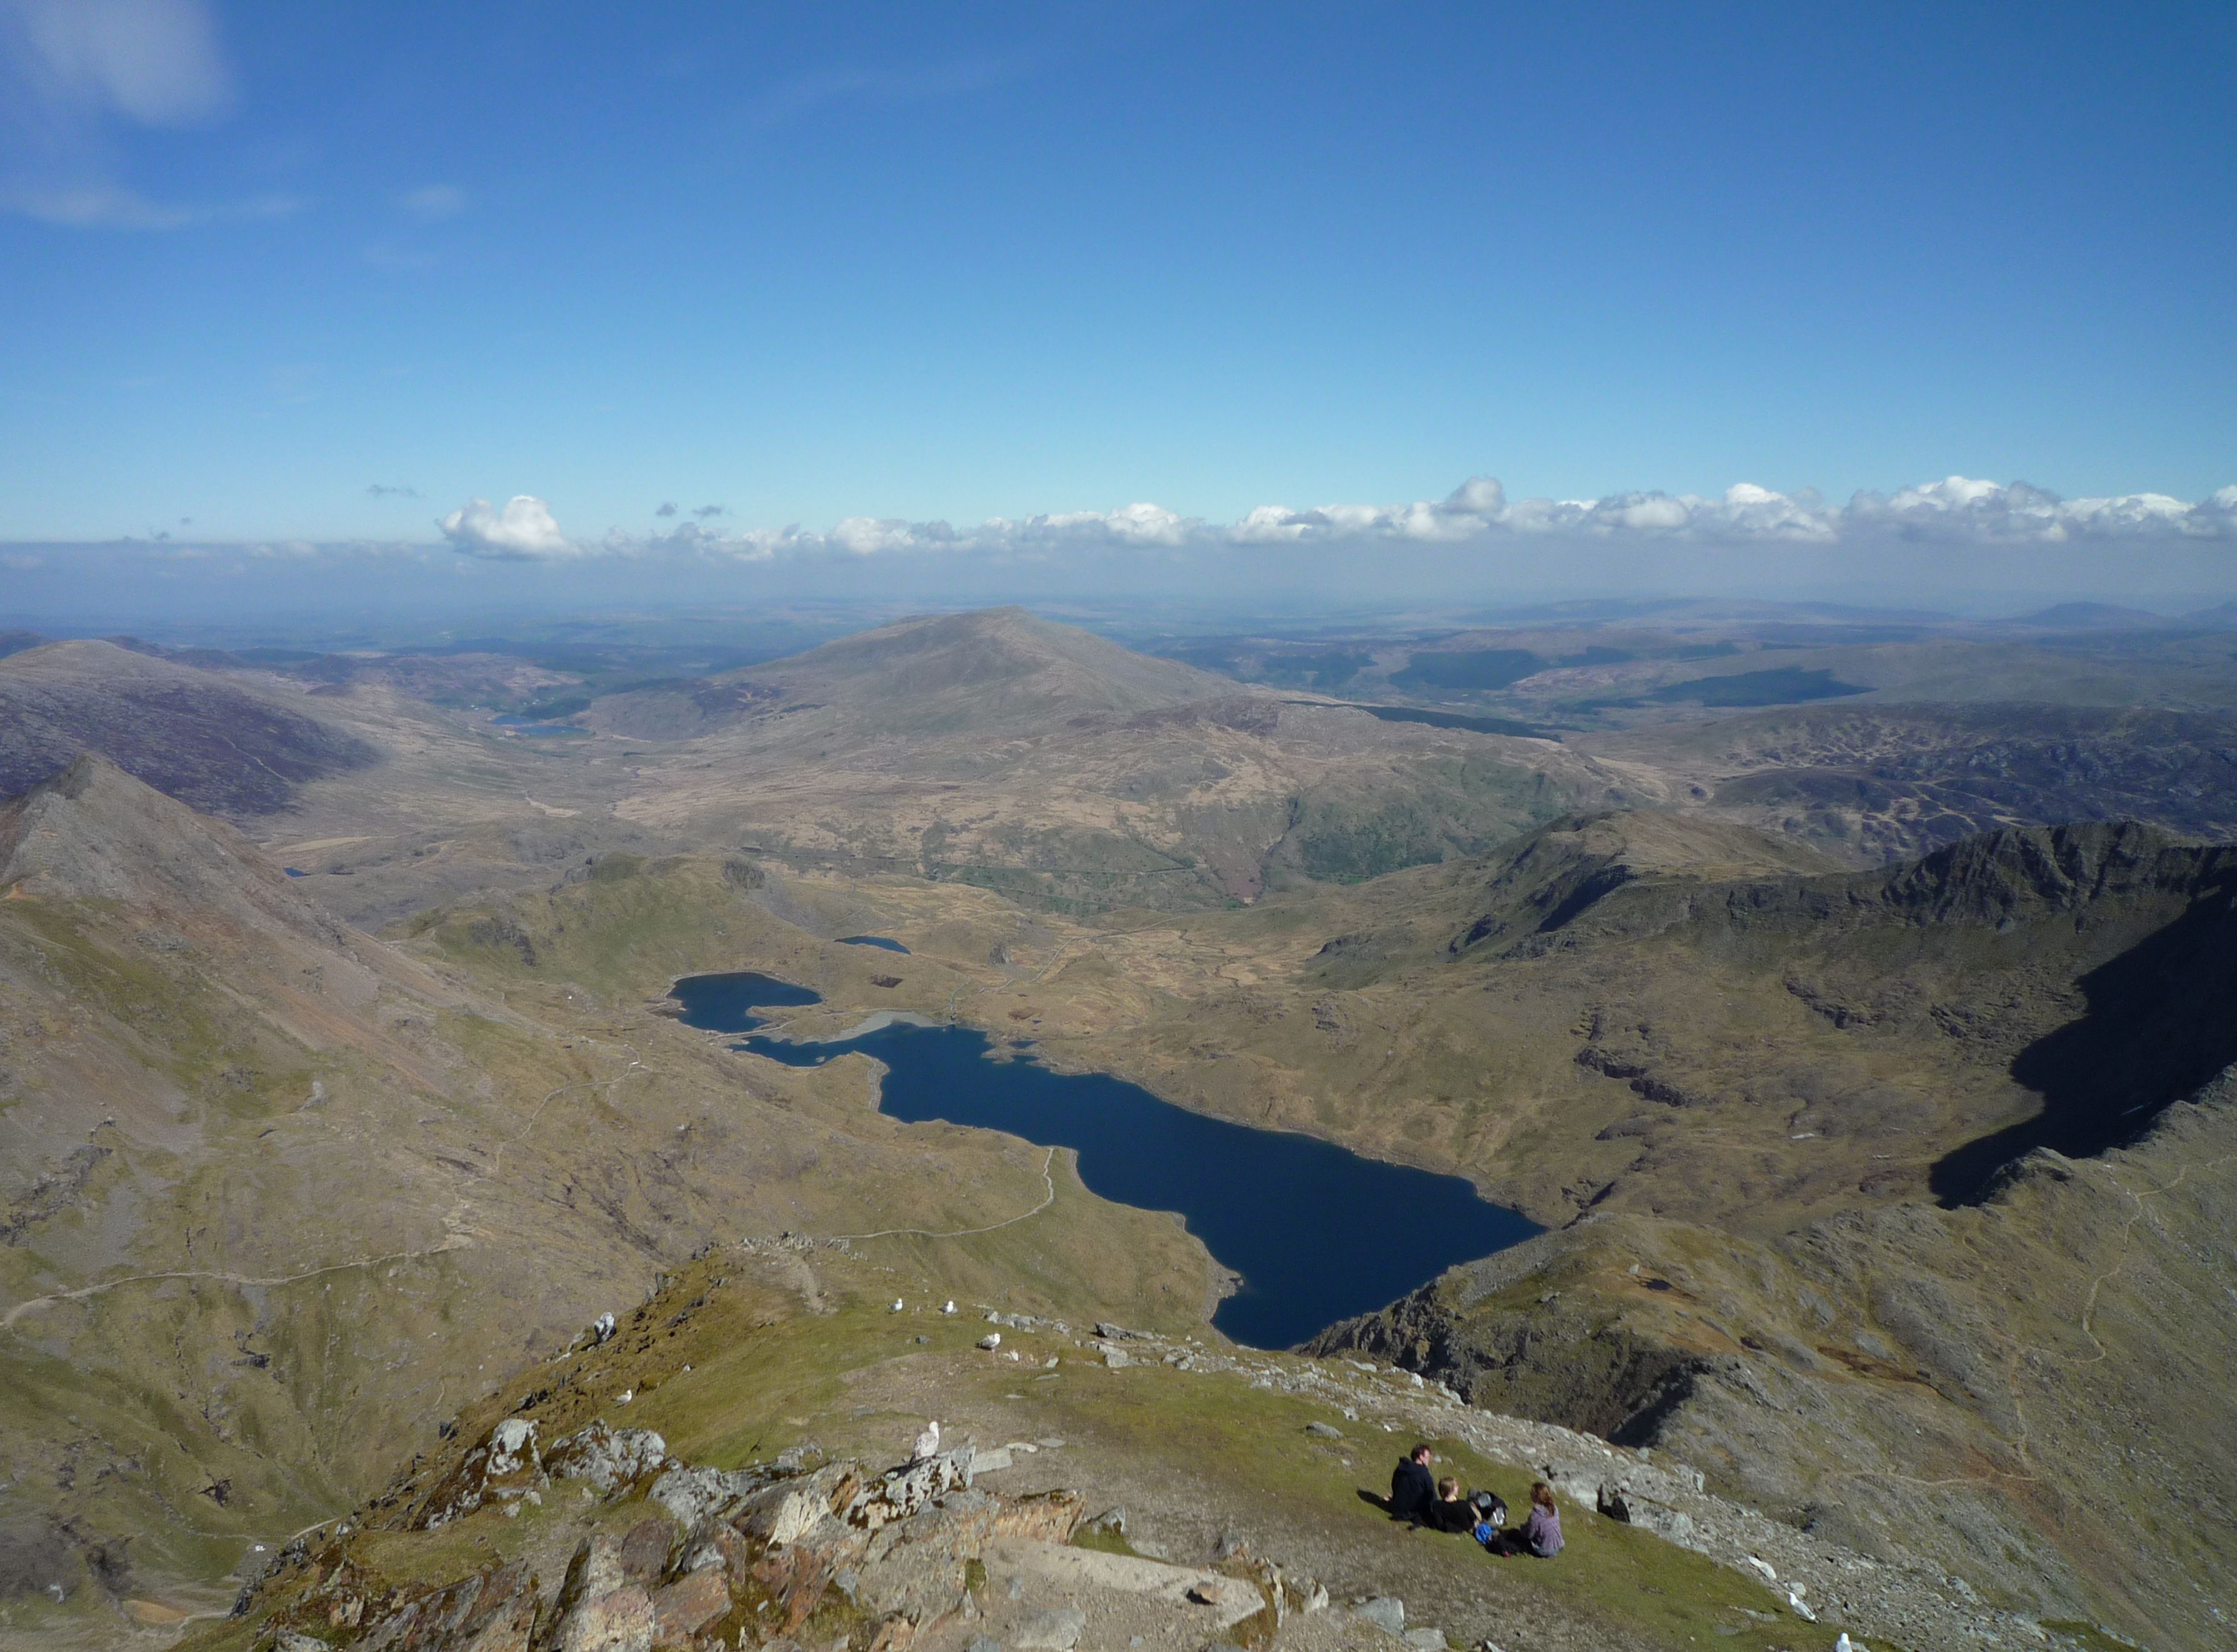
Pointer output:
759, 1550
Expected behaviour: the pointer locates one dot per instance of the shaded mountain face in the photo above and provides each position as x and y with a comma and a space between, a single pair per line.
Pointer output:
197, 735
2030, 1393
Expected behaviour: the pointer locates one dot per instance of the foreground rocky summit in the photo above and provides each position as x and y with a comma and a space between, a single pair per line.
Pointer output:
1223, 1487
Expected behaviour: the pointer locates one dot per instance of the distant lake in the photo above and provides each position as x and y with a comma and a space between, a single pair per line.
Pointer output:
1318, 1233
887, 942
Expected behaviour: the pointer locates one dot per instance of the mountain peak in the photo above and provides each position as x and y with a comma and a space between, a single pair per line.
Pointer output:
94, 832
928, 674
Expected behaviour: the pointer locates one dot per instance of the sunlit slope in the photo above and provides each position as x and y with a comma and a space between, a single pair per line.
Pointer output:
279, 1196
1053, 765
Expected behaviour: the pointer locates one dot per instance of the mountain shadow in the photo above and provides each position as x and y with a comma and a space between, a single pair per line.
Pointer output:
2162, 1020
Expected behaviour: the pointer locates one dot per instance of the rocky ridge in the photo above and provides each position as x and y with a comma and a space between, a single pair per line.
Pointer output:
636, 1549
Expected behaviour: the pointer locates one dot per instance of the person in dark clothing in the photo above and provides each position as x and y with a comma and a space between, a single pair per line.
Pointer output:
1451, 1511
1412, 1488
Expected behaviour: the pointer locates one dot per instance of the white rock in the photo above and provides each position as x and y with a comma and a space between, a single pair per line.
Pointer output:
602, 1327
1386, 1612
1057, 1629
1425, 1639
1763, 1566
510, 1441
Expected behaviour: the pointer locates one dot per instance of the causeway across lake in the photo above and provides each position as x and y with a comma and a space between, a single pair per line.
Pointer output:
1318, 1233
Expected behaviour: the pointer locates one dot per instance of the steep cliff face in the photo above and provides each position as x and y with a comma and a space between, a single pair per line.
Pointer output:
1625, 877
2030, 1391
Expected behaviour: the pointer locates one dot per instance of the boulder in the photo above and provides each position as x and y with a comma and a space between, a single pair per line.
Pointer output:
1057, 1629
797, 1575
620, 1622
506, 1464
609, 1458
692, 1496
901, 1492
915, 1568
644, 1554
492, 1611
779, 1514
1050, 1517
688, 1605
1618, 1502
1386, 1612
595, 1570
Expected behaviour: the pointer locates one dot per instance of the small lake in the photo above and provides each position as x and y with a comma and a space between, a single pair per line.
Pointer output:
887, 942
1318, 1233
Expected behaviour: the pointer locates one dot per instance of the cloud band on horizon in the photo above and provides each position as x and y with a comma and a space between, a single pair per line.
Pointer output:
1957, 510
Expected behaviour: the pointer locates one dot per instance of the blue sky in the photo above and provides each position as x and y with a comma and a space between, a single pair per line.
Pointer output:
944, 263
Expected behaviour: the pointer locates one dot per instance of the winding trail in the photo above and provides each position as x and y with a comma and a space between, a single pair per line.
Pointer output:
454, 1243
2014, 1347
1047, 1176
8, 1321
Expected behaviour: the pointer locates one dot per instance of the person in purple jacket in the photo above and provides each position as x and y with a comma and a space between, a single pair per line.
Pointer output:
1540, 1534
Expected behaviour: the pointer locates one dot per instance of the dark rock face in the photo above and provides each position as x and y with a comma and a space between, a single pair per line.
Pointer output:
189, 733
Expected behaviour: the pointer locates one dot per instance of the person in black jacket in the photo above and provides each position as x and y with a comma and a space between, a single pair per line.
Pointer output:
1451, 1511
1412, 1490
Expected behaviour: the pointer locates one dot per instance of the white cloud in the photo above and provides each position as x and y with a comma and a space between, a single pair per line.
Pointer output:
434, 202
104, 205
153, 61
523, 532
1477, 513
73, 71
1956, 508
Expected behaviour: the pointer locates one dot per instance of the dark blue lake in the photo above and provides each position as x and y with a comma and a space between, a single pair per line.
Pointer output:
1318, 1233
726, 1003
887, 942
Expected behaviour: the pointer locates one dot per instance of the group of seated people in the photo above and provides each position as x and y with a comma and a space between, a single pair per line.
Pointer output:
1419, 1498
